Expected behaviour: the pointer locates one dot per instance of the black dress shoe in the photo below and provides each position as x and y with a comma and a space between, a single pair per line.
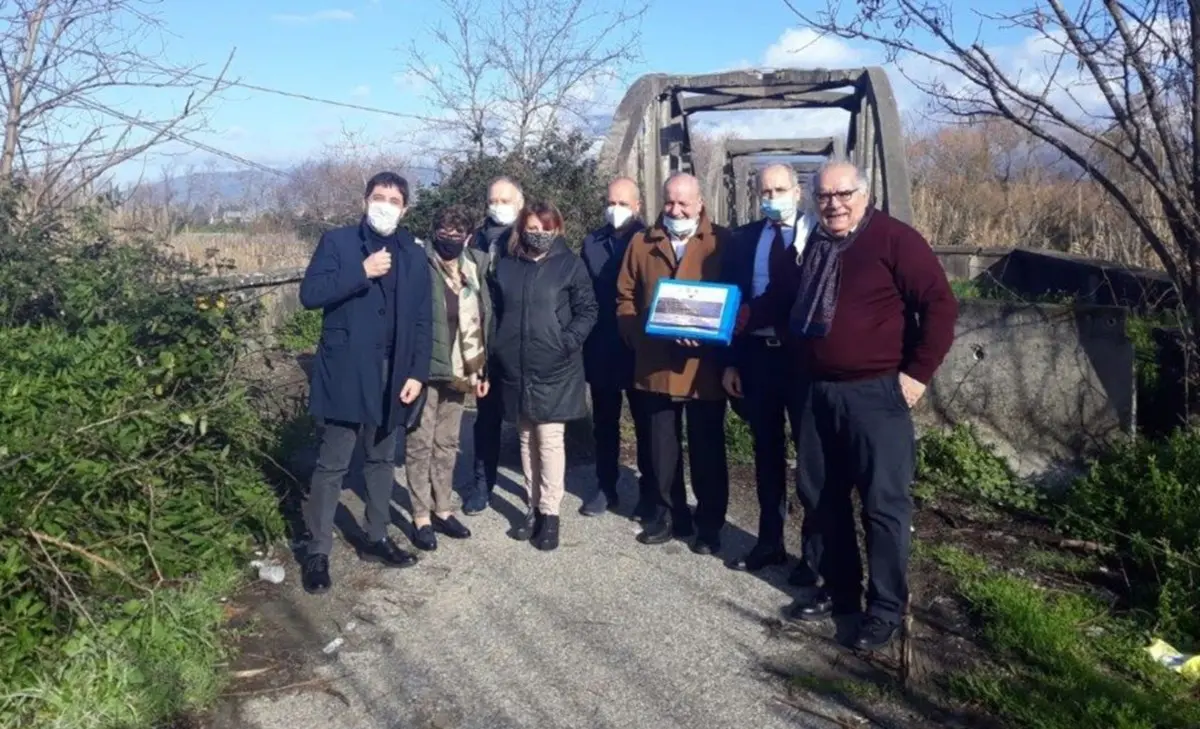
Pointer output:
659, 531
315, 574
802, 576
811, 610
387, 553
524, 531
707, 544
757, 559
875, 633
451, 527
425, 539
547, 537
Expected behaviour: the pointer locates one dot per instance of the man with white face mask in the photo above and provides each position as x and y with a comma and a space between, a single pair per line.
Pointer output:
505, 202
371, 283
608, 362
678, 378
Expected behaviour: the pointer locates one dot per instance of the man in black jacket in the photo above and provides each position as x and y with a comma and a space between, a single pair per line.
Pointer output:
505, 201
608, 362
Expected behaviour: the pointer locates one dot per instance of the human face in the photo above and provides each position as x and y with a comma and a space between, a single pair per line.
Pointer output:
841, 201
382, 194
624, 194
775, 184
533, 224
504, 193
682, 199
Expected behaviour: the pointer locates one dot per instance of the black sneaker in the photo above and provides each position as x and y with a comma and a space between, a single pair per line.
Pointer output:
425, 539
315, 574
524, 531
387, 553
547, 536
658, 531
875, 633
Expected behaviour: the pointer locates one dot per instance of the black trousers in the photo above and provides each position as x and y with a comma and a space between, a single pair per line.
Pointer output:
489, 416
774, 395
706, 458
606, 429
862, 436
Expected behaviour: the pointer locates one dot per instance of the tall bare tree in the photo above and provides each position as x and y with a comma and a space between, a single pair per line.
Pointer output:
517, 68
63, 64
1115, 93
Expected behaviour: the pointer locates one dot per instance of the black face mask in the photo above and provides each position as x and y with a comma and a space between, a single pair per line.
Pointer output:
448, 249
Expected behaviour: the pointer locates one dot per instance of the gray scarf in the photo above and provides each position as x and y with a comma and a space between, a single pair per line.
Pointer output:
821, 280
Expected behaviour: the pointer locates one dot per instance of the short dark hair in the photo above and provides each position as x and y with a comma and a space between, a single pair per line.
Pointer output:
457, 216
387, 179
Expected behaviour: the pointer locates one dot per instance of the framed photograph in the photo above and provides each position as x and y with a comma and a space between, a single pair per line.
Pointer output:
696, 310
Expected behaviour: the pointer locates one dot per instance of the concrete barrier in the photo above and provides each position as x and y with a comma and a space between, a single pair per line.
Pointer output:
1047, 385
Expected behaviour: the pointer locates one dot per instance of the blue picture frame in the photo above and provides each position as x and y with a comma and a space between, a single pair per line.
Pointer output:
717, 325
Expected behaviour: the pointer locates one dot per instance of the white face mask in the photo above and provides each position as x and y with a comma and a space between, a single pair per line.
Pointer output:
681, 227
617, 215
383, 217
503, 214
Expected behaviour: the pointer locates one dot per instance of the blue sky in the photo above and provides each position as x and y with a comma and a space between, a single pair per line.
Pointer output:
355, 51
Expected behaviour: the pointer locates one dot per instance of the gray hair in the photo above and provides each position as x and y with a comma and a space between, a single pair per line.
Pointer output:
814, 180
516, 185
684, 175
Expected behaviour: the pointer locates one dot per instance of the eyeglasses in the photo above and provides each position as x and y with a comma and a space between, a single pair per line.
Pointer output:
841, 195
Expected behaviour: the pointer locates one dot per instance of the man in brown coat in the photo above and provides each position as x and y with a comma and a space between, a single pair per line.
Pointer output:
680, 377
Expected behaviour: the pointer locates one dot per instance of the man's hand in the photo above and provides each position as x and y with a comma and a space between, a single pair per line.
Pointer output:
732, 382
911, 389
743, 318
378, 263
482, 387
410, 392
689, 343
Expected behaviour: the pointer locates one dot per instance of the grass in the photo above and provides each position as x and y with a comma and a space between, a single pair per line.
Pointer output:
1063, 661
163, 657
222, 252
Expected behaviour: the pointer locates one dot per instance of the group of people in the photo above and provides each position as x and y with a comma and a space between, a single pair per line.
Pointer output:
846, 314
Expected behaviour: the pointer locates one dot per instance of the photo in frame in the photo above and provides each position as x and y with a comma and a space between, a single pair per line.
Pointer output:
696, 310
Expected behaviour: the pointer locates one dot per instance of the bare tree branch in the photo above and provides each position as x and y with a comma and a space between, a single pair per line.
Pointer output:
516, 72
63, 62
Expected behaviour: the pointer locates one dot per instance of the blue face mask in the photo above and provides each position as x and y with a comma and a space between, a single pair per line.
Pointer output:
780, 208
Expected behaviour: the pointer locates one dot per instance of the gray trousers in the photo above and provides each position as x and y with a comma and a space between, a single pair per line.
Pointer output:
338, 441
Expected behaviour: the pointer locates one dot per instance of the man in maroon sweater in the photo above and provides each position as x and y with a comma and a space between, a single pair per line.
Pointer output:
870, 318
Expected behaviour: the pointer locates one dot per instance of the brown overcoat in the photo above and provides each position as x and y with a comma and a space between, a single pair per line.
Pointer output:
660, 365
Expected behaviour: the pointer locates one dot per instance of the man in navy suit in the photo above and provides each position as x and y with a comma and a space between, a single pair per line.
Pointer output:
609, 363
372, 284
760, 373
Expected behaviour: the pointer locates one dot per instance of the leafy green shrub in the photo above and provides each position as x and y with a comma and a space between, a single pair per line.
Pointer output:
955, 461
130, 466
739, 441
1144, 498
301, 331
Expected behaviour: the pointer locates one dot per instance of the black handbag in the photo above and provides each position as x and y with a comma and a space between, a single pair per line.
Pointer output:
414, 411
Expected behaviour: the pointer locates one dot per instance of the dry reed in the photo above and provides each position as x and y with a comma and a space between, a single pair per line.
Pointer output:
220, 252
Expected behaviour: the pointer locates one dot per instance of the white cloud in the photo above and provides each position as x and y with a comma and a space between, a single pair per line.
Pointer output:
361, 91
320, 16
806, 48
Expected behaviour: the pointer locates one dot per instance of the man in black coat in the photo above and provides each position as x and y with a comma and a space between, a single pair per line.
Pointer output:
505, 202
760, 373
608, 362
372, 284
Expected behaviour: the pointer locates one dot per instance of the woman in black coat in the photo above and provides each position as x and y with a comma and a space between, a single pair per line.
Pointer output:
544, 308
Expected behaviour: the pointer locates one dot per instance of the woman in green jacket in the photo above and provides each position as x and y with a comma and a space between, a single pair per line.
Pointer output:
462, 316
